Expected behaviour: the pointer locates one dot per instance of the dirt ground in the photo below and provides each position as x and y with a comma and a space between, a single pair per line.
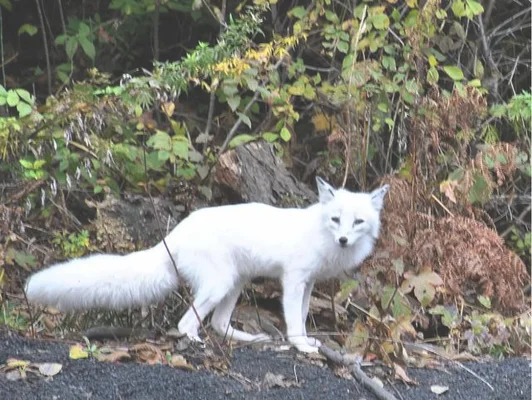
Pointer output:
89, 379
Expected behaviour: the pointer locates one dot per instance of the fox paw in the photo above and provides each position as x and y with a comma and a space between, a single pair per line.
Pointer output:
305, 348
313, 342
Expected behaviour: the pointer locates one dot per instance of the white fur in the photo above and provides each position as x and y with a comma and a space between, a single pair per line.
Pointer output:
217, 251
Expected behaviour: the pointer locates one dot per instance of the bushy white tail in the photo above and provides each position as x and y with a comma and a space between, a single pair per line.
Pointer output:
105, 281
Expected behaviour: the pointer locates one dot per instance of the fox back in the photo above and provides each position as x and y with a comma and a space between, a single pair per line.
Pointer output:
245, 241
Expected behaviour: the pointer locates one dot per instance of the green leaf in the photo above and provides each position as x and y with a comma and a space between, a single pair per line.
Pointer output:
6, 4
389, 63
478, 69
88, 47
241, 139
298, 12
285, 134
458, 8
296, 89
234, 102
160, 141
39, 164
83, 30
26, 163
346, 288
331, 17
71, 46
498, 110
485, 301
24, 95
480, 192
245, 119
454, 72
474, 7
60, 40
23, 109
62, 76
380, 21
230, 90
252, 83
270, 137
25, 260
12, 98
163, 155
343, 46
27, 28
180, 148
456, 175
433, 76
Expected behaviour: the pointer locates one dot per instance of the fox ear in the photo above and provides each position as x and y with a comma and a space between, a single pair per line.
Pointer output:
377, 197
325, 191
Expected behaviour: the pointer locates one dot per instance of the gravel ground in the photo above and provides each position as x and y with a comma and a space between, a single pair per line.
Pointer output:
88, 379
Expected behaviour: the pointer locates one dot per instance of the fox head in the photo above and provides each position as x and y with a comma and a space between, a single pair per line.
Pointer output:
351, 216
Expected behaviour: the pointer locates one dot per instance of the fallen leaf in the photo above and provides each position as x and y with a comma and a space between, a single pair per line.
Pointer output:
50, 369
439, 389
400, 373
178, 361
15, 363
77, 352
148, 353
447, 188
272, 380
14, 375
113, 356
424, 284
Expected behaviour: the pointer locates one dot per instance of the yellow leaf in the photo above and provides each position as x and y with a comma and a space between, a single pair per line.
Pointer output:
296, 90
14, 363
168, 108
78, 351
321, 122
432, 61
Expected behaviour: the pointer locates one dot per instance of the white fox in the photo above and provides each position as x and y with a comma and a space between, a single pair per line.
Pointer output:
217, 251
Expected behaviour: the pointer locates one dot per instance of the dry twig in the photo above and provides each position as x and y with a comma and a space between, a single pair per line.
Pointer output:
357, 372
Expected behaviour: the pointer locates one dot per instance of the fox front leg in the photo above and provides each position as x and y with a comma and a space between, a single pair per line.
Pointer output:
294, 300
306, 305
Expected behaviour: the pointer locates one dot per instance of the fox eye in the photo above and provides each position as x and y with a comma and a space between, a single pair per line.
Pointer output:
336, 220
358, 221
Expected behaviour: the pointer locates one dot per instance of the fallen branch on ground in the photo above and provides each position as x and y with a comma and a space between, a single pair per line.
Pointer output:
357, 372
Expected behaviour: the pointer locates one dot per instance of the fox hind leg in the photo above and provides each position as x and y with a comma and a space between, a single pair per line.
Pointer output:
221, 319
206, 299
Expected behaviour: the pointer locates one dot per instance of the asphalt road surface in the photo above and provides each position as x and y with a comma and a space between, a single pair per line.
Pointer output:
89, 379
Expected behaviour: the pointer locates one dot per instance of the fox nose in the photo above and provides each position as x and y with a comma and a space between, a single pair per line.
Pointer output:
343, 241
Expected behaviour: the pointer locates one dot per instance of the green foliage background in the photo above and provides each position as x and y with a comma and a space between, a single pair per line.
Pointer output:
138, 94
